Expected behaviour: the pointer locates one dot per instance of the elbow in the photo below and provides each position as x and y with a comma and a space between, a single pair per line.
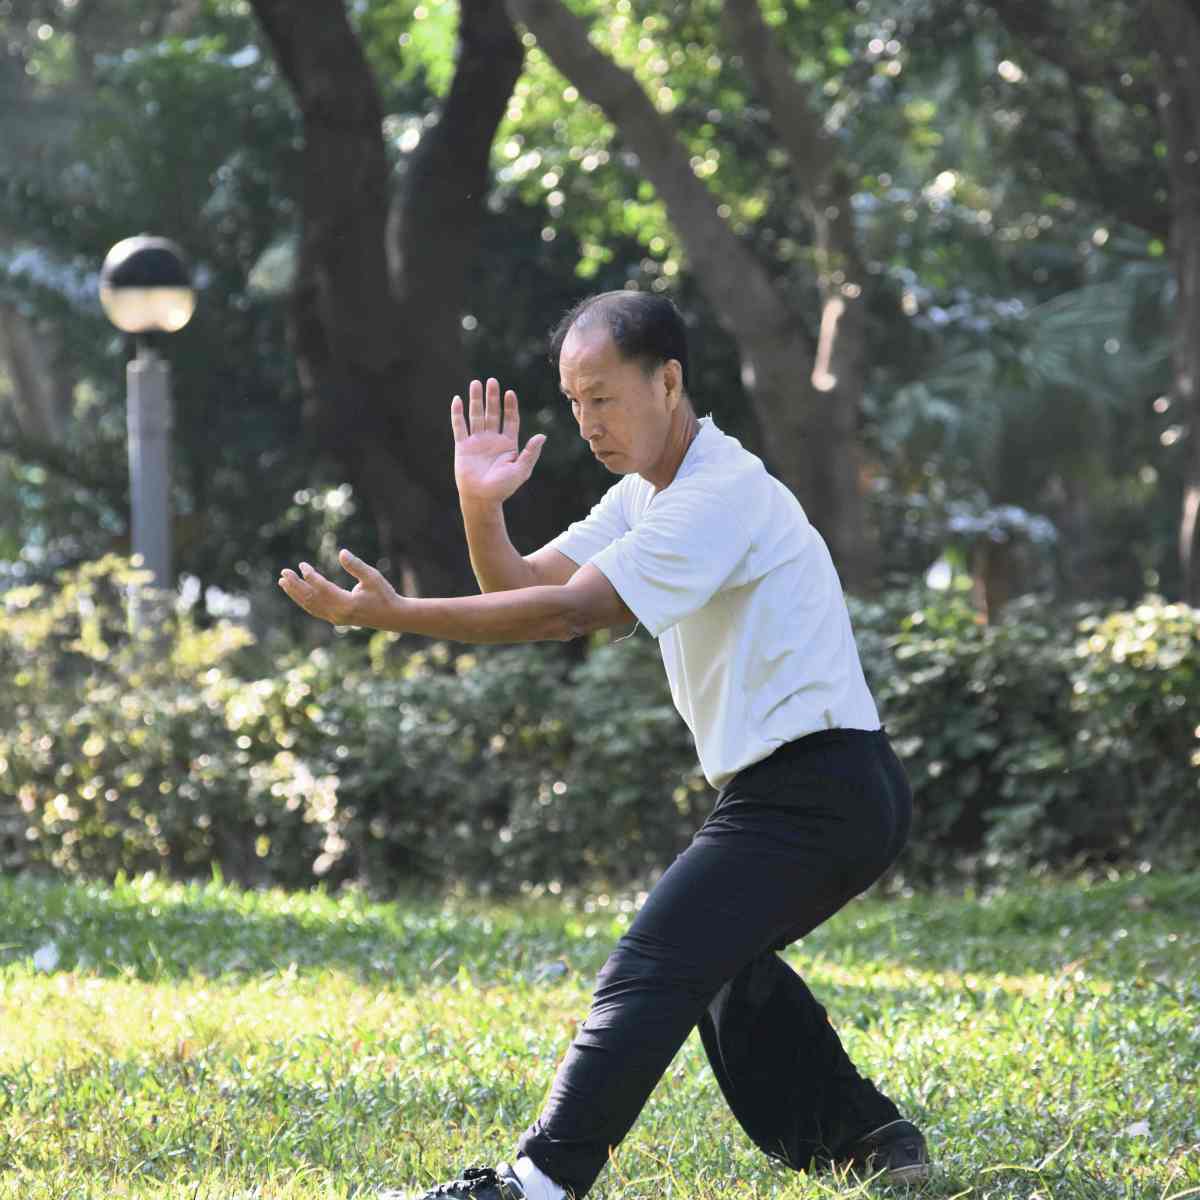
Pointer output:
578, 619
569, 627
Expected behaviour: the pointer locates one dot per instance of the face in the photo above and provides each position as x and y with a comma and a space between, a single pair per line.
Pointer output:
624, 414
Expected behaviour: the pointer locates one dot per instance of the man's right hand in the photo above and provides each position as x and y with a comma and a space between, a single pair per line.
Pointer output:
487, 465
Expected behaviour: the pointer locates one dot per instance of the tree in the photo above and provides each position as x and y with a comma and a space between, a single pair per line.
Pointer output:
382, 281
127, 126
1009, 222
1174, 28
1143, 56
805, 384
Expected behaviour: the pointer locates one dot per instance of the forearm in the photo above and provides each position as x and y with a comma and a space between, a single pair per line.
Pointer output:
497, 565
529, 614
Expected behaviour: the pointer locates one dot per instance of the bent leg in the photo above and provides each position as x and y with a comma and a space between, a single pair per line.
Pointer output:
783, 1070
781, 851
781, 1066
713, 911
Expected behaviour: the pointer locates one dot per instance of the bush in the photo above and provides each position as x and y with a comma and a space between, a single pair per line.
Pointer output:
1135, 693
501, 768
1046, 738
363, 761
121, 753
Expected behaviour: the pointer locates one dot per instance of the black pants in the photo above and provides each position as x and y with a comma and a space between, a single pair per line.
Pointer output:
789, 841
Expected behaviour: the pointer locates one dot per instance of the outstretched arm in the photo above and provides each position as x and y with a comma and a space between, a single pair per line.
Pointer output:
488, 468
554, 612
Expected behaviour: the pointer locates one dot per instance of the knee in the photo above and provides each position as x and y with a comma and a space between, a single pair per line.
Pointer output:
630, 966
641, 981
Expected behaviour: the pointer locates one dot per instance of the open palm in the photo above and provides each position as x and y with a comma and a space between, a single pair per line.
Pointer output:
488, 465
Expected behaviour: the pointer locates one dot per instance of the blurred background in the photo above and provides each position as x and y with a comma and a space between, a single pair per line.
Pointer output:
940, 264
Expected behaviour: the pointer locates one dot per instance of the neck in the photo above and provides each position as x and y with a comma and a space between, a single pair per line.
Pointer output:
683, 431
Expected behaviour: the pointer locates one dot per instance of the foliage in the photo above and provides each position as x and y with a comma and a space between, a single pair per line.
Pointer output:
212, 1042
193, 139
1000, 274
1044, 738
124, 753
1136, 695
427, 766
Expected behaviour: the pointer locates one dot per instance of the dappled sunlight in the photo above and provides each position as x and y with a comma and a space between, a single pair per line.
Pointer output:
284, 1018
207, 1048
1065, 985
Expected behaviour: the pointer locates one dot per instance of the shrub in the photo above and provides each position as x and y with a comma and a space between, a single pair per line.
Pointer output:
1057, 737
1049, 737
504, 767
1135, 694
123, 753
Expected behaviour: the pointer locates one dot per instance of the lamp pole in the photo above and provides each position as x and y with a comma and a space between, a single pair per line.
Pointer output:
149, 418
145, 287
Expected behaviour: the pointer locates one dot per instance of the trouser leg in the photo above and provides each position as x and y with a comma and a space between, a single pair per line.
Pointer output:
779, 1061
780, 852
688, 938
783, 1069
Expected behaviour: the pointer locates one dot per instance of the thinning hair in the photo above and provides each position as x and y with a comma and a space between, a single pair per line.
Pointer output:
645, 328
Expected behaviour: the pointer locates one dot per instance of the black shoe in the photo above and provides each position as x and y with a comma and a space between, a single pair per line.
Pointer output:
477, 1183
895, 1152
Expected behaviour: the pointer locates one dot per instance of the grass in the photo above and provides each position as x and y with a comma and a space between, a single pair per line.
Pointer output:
203, 1042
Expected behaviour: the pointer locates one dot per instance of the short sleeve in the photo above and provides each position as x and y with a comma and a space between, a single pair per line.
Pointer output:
689, 545
583, 540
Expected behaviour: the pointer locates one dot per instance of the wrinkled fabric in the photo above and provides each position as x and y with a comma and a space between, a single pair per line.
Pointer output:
725, 569
789, 841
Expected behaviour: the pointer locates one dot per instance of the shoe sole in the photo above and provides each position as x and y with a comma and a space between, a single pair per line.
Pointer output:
916, 1173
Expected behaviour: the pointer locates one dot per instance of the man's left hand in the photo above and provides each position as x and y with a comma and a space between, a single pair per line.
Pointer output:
371, 604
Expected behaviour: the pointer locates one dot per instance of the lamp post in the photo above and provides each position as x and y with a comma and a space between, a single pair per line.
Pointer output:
145, 287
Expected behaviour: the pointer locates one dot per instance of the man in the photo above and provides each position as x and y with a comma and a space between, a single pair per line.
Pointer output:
717, 560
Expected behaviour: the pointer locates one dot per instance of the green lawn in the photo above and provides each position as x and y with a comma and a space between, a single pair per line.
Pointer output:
205, 1042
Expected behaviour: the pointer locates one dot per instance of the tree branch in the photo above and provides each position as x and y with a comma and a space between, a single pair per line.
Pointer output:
346, 174
447, 178
813, 433
735, 281
798, 125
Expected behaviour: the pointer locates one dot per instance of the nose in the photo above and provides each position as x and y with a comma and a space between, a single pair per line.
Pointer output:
589, 427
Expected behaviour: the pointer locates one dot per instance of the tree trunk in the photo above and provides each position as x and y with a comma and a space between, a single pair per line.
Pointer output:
812, 432
376, 334
838, 375
1171, 28
41, 393
1176, 31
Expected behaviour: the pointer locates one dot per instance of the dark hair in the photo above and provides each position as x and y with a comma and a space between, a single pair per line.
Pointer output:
644, 327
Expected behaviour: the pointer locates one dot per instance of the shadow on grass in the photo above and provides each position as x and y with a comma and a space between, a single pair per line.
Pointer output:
154, 931
1143, 925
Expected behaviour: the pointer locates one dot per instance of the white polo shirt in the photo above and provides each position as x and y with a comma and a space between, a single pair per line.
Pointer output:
724, 569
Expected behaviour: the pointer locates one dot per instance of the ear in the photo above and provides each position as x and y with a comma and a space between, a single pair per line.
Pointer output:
673, 383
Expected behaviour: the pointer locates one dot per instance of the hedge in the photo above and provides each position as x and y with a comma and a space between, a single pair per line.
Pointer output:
1050, 738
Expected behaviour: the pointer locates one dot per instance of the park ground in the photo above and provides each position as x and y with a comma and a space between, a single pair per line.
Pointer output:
201, 1042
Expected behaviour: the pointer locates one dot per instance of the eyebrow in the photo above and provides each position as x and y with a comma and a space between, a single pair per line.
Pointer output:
599, 385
